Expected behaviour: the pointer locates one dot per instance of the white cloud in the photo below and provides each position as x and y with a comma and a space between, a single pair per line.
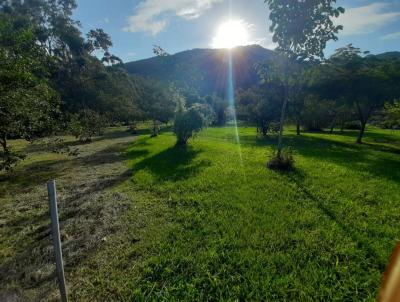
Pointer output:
366, 19
392, 36
152, 17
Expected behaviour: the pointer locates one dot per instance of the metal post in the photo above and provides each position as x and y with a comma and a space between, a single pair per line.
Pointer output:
55, 232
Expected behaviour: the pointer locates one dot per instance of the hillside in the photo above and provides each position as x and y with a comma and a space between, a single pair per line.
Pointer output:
389, 55
204, 70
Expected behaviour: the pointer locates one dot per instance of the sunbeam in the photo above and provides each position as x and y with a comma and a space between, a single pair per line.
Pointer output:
231, 100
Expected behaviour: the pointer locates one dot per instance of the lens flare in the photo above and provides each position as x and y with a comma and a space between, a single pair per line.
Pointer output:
232, 102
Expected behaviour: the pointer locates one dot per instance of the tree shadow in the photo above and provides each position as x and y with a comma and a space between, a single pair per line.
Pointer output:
173, 164
297, 177
87, 214
380, 162
374, 158
24, 179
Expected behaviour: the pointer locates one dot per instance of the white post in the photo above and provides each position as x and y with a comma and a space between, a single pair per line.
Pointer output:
55, 232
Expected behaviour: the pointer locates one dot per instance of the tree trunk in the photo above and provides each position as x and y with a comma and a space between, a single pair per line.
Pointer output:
298, 129
285, 101
363, 117
3, 142
361, 134
342, 128
332, 126
155, 132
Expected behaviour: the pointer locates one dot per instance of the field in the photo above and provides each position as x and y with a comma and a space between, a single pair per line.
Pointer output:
144, 220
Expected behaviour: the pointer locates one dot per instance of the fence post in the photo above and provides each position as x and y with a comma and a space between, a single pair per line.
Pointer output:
55, 232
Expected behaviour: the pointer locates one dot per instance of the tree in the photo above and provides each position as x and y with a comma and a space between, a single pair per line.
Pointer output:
260, 105
26, 99
87, 124
316, 113
220, 107
293, 80
391, 115
79, 77
360, 79
157, 102
301, 29
190, 121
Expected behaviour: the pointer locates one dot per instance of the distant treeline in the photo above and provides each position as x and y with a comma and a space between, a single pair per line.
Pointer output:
348, 90
51, 81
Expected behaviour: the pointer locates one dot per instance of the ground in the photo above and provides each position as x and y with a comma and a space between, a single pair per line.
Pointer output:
142, 219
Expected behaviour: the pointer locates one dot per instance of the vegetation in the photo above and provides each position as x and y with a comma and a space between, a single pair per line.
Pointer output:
52, 82
190, 121
201, 227
26, 99
300, 38
365, 83
146, 216
245, 232
391, 115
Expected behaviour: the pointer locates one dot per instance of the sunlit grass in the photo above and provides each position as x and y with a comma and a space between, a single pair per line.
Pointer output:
243, 232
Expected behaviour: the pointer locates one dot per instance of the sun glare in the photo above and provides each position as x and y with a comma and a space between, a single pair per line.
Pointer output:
230, 34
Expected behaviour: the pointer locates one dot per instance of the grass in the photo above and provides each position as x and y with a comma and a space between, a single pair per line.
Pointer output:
242, 232
207, 222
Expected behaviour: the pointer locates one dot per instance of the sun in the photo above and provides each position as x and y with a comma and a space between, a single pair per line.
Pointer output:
230, 34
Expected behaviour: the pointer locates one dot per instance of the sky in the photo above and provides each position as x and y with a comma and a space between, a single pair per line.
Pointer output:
178, 25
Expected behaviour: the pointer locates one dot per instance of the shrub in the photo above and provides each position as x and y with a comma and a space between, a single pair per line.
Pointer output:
9, 159
86, 125
283, 162
188, 123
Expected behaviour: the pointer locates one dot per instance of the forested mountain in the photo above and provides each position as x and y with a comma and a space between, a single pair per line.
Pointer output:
389, 55
204, 70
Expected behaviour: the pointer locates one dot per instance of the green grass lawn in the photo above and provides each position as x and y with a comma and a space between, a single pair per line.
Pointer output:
143, 220
242, 232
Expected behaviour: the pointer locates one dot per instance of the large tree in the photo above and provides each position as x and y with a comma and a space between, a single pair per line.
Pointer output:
364, 81
26, 99
260, 105
301, 29
44, 54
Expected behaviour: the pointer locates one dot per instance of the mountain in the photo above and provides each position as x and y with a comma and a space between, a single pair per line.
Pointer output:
389, 55
204, 70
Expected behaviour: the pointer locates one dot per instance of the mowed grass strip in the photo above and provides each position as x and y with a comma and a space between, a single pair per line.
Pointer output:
242, 232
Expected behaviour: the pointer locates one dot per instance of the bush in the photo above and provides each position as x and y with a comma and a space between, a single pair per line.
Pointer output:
284, 162
188, 123
9, 159
86, 125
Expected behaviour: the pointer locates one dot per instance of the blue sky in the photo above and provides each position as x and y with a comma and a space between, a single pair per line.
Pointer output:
177, 25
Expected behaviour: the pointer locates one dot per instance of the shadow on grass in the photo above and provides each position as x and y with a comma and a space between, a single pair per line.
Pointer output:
173, 164
373, 158
382, 163
87, 217
24, 178
375, 259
